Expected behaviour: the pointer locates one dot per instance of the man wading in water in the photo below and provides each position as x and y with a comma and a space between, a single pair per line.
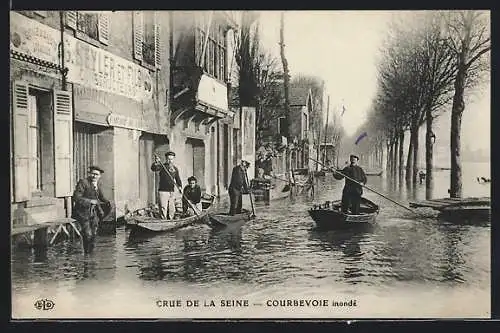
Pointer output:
351, 195
90, 206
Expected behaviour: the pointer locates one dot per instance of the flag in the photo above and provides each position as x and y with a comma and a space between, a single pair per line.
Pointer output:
361, 137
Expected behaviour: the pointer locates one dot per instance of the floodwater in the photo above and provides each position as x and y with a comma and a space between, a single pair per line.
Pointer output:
404, 267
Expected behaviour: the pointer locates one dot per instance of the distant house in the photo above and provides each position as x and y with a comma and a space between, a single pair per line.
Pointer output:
301, 107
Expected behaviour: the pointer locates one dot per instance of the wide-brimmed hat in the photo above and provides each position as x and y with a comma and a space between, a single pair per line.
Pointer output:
170, 153
192, 178
354, 156
95, 167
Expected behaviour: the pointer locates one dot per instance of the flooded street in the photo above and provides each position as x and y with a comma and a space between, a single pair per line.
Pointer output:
405, 266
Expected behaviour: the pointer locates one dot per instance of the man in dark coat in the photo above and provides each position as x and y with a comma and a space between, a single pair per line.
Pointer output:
90, 206
168, 183
351, 195
237, 187
192, 192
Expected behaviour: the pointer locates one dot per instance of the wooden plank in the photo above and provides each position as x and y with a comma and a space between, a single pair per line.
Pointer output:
28, 228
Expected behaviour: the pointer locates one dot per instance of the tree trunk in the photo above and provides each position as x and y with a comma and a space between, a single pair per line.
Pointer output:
409, 160
401, 143
415, 158
395, 157
456, 123
388, 158
429, 181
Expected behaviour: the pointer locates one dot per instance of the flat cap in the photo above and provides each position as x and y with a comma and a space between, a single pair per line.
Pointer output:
170, 153
354, 156
95, 167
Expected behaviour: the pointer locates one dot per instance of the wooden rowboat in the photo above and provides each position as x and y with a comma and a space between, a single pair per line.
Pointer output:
330, 216
223, 220
143, 220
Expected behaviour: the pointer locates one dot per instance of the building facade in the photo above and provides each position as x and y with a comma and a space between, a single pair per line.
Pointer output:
135, 86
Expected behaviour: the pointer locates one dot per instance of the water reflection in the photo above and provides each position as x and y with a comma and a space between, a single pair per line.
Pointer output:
280, 247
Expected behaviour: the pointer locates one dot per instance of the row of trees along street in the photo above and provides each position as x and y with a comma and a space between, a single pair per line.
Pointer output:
430, 64
264, 83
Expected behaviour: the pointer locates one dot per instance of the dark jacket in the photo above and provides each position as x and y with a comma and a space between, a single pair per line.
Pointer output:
193, 194
355, 172
166, 182
83, 194
238, 180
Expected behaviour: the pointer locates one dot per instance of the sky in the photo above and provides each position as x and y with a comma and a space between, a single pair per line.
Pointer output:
342, 47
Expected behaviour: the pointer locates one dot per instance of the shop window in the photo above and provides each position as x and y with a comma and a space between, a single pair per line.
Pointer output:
211, 49
281, 125
94, 25
147, 38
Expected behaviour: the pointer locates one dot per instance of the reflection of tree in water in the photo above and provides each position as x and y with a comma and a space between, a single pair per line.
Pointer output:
452, 261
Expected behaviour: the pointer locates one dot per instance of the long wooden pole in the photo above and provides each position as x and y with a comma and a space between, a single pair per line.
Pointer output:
363, 185
250, 194
177, 186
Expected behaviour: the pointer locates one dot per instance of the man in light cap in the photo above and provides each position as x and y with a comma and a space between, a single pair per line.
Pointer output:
90, 206
169, 179
351, 195
237, 187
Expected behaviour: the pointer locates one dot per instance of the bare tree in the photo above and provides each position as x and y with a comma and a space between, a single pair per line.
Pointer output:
468, 36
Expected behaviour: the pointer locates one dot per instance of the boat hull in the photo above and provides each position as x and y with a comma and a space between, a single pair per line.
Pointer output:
138, 223
329, 215
218, 221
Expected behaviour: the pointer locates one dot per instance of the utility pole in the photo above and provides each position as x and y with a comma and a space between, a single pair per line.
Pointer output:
286, 84
326, 129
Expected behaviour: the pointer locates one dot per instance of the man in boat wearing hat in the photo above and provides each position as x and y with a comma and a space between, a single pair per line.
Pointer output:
237, 187
192, 192
169, 180
351, 195
90, 206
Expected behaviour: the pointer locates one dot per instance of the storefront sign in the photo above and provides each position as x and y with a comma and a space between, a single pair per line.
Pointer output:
118, 120
87, 65
212, 92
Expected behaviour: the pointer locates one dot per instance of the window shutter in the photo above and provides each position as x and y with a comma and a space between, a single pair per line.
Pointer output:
63, 142
71, 17
21, 142
157, 41
103, 19
138, 26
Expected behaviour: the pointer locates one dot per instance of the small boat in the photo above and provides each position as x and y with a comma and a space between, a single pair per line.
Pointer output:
329, 215
374, 173
223, 220
147, 220
270, 189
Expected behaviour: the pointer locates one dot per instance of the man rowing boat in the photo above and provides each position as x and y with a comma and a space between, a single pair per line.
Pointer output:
351, 194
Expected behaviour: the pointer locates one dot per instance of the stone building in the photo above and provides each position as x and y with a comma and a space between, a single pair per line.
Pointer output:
119, 104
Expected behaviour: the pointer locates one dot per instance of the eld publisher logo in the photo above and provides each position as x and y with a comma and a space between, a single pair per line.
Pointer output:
44, 304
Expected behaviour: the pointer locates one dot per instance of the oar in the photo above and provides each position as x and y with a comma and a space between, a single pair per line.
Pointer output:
180, 190
250, 194
363, 185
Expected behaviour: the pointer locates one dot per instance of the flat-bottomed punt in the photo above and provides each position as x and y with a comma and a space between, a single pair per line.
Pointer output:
330, 216
144, 220
459, 210
223, 220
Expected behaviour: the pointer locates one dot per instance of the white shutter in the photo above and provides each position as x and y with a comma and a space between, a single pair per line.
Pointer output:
21, 141
63, 142
138, 26
71, 17
103, 19
157, 41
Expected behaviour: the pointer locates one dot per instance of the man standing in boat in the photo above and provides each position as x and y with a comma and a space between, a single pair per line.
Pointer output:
90, 206
351, 195
237, 187
169, 180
